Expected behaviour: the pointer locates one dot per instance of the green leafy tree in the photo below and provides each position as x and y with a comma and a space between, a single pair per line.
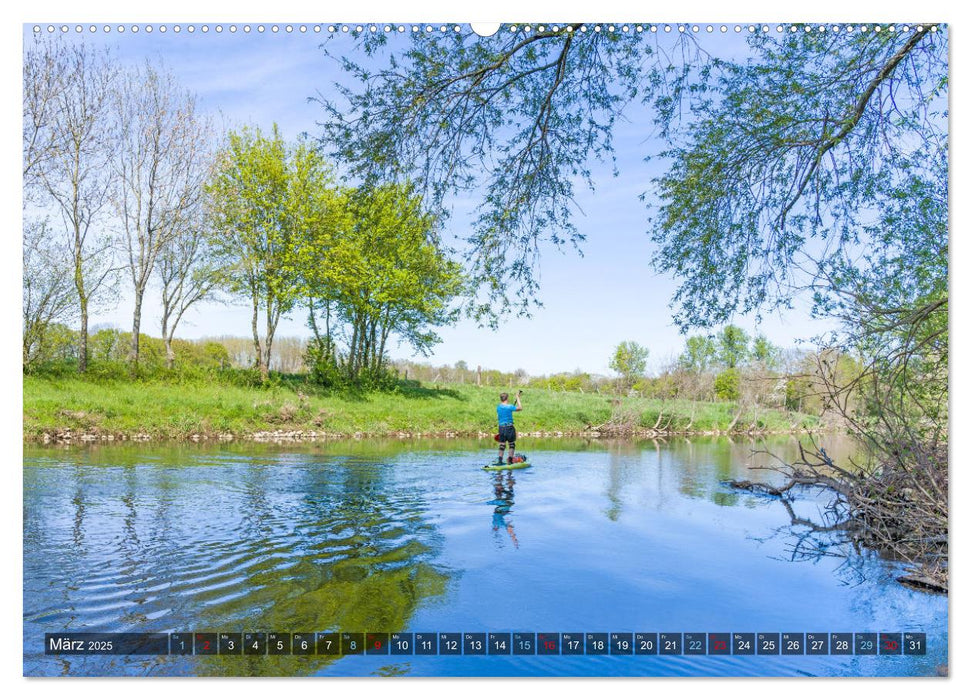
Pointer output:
400, 281
767, 153
792, 147
733, 346
765, 352
379, 274
515, 116
266, 198
700, 353
629, 361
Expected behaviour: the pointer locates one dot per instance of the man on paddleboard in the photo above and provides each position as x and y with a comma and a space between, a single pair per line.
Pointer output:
507, 431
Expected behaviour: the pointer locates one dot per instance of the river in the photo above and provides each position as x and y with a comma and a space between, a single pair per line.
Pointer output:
413, 536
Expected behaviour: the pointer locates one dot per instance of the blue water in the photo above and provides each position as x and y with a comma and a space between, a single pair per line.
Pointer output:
357, 537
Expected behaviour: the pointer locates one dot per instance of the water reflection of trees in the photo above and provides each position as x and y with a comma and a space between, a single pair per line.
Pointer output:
278, 544
816, 525
624, 463
703, 468
813, 538
697, 468
362, 551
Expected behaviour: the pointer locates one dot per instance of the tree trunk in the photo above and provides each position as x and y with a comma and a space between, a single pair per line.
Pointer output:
136, 328
167, 337
83, 303
352, 355
312, 320
384, 340
83, 338
169, 352
375, 360
329, 349
385, 332
272, 316
256, 335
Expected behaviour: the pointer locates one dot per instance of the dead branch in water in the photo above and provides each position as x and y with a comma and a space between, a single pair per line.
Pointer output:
900, 512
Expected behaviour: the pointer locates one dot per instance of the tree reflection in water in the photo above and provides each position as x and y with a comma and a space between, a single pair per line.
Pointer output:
261, 545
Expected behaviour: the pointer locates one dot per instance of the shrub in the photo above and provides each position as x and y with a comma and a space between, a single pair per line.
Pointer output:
322, 368
728, 385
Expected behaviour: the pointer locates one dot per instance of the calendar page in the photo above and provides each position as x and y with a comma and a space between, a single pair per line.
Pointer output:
548, 349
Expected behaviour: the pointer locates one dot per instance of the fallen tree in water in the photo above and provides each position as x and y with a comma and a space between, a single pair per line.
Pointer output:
897, 507
893, 396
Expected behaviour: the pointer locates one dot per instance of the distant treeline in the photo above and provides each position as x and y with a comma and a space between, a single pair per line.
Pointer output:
758, 375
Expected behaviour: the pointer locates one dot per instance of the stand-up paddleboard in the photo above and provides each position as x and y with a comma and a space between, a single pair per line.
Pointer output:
502, 467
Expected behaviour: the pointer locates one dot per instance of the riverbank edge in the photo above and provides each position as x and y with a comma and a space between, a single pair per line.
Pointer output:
71, 437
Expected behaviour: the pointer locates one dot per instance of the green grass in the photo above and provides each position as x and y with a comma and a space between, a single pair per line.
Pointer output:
177, 410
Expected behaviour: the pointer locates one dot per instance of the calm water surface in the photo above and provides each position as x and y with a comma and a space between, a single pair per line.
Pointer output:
414, 536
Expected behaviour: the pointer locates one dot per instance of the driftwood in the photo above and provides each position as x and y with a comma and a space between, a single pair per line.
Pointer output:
922, 583
761, 487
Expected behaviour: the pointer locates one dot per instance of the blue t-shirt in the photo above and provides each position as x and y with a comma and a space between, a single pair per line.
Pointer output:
505, 412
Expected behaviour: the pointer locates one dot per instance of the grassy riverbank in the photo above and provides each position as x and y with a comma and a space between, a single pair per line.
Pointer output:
67, 408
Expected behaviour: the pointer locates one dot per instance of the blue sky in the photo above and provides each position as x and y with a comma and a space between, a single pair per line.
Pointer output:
591, 303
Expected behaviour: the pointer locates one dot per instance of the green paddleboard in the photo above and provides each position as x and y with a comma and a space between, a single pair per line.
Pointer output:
503, 467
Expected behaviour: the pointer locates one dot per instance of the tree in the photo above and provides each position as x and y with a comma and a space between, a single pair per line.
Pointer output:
764, 352
48, 292
629, 361
266, 196
160, 161
794, 146
821, 167
892, 304
386, 276
699, 354
74, 172
187, 275
515, 116
767, 154
733, 347
800, 169
45, 65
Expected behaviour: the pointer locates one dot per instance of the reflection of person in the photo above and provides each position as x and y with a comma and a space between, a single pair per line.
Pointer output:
503, 503
507, 431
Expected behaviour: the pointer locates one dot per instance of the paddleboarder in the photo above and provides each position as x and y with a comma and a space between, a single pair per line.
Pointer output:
507, 431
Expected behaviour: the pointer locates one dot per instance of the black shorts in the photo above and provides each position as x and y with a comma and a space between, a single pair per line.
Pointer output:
507, 433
